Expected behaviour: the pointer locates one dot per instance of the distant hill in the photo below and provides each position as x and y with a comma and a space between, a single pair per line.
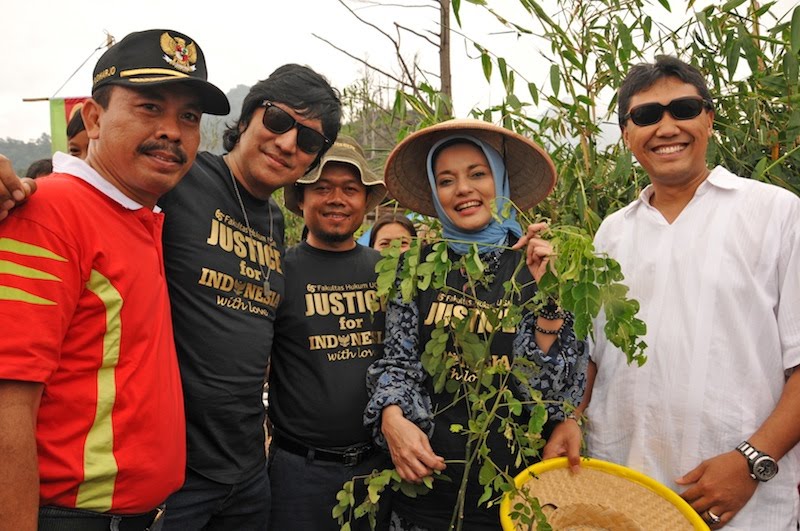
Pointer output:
214, 126
22, 153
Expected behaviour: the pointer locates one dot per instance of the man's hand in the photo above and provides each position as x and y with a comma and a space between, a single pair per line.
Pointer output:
410, 448
565, 441
721, 485
13, 190
537, 250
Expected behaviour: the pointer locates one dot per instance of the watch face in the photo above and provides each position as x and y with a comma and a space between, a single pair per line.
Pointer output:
765, 468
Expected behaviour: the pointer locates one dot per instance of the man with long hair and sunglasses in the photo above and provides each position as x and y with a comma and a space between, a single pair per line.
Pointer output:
224, 240
714, 260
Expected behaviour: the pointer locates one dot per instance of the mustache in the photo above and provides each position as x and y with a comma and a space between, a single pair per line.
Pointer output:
154, 145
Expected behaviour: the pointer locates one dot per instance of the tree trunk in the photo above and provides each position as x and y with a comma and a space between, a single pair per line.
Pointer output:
444, 56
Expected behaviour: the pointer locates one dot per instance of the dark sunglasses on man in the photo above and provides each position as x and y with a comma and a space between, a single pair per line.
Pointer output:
279, 121
680, 109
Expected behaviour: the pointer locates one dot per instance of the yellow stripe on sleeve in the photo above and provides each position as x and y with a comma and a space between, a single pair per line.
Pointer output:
12, 268
27, 249
8, 293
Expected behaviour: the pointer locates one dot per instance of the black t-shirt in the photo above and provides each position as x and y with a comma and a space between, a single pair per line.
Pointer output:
435, 509
222, 317
325, 338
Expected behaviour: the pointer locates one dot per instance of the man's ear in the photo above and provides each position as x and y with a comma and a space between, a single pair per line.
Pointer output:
300, 195
91, 112
624, 131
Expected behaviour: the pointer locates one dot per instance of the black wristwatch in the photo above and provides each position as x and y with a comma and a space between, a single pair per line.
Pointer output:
762, 466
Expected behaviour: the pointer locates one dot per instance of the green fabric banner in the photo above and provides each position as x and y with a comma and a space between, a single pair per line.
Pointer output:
61, 110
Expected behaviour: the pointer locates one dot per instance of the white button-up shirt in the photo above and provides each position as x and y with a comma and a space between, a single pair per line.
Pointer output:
720, 292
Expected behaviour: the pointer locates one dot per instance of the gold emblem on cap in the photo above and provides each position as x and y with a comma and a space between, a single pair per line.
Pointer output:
179, 54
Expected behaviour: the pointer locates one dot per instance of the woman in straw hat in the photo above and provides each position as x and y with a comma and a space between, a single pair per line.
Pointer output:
463, 172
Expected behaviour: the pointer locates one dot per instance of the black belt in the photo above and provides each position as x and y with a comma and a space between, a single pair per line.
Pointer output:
63, 519
349, 457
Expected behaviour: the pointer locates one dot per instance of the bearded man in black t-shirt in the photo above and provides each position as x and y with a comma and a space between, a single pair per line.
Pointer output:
326, 335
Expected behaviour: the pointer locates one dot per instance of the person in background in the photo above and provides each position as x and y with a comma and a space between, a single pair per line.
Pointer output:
390, 227
77, 139
92, 429
39, 168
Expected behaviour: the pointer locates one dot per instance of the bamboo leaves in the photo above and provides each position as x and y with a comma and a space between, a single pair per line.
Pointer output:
584, 282
795, 33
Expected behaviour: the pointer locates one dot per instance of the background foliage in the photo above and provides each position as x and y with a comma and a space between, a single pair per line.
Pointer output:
22, 154
747, 50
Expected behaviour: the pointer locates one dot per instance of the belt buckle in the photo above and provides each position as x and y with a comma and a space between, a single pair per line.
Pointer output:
160, 510
352, 457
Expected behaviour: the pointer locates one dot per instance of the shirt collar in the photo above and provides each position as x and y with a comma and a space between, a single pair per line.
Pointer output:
63, 163
722, 178
718, 178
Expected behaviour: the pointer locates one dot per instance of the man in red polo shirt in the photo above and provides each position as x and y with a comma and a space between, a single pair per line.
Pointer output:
92, 428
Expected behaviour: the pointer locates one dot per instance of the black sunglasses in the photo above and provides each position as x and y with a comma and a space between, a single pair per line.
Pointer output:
680, 109
279, 121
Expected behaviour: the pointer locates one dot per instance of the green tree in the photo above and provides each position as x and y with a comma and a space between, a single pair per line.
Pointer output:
589, 46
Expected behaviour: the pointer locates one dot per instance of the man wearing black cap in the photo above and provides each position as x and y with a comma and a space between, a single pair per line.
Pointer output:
91, 416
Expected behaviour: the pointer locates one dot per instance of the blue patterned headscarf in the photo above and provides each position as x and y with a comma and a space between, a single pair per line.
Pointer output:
494, 233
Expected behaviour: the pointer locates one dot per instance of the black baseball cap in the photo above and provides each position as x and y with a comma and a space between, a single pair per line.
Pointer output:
157, 57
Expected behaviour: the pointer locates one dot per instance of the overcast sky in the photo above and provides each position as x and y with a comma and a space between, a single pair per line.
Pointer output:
44, 41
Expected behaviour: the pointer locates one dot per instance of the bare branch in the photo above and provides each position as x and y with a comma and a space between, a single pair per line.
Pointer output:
407, 72
381, 4
362, 61
366, 22
421, 36
394, 42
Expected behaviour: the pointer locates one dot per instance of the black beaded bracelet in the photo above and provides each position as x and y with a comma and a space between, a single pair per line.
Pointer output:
546, 331
551, 311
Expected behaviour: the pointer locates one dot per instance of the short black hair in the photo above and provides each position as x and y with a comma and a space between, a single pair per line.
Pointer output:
76, 124
644, 75
102, 96
39, 168
302, 89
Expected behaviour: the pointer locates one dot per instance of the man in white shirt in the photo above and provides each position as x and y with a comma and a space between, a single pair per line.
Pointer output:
714, 260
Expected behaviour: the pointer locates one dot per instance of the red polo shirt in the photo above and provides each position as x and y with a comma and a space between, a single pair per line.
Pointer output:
83, 294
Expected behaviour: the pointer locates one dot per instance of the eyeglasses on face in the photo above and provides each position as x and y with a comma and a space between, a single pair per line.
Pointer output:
680, 109
279, 121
